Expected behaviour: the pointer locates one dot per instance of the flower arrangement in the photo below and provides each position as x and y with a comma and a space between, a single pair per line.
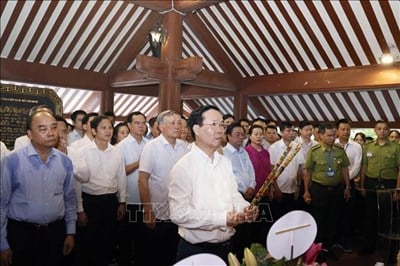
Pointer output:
257, 255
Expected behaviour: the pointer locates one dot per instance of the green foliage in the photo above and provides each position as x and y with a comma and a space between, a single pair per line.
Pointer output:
263, 258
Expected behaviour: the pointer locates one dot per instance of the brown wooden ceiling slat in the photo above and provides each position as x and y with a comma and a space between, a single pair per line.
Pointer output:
67, 31
325, 103
274, 37
258, 108
364, 106
241, 38
90, 36
79, 33
391, 104
191, 49
102, 39
215, 50
2, 7
378, 106
54, 29
27, 24
312, 36
345, 112
11, 23
192, 104
342, 32
287, 38
353, 107
369, 12
391, 21
262, 40
325, 31
318, 105
232, 41
358, 31
298, 36
40, 28
115, 35
311, 112
296, 106
281, 110
288, 107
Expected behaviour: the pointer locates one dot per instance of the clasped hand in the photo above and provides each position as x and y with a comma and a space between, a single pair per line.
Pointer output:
249, 214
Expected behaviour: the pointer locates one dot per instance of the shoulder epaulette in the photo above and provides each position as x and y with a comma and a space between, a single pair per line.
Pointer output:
337, 145
313, 148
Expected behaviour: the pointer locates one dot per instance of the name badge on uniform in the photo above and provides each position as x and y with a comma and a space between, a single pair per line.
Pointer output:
369, 154
330, 172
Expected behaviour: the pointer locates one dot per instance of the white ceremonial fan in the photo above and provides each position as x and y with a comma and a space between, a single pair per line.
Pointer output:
201, 259
291, 235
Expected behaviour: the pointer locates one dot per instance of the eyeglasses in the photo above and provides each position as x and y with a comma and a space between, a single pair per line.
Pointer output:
214, 124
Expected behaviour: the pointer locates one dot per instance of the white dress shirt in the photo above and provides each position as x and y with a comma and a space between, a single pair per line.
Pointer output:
3, 150
73, 136
354, 153
242, 167
106, 173
21, 142
131, 150
81, 142
157, 159
201, 192
287, 180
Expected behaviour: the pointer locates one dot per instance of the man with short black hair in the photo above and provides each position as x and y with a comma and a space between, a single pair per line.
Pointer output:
78, 131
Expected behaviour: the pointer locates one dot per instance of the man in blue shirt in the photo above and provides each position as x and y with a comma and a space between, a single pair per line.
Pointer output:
38, 204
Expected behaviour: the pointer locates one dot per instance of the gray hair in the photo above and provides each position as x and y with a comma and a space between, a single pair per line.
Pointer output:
161, 116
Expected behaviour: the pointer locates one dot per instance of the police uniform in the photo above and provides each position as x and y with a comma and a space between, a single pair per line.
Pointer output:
326, 165
382, 163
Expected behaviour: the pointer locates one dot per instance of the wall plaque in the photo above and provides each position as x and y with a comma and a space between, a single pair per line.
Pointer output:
16, 101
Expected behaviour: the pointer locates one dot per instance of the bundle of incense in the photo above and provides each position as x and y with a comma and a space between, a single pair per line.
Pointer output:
283, 161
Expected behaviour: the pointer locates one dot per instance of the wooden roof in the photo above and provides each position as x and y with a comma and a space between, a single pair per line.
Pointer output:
291, 60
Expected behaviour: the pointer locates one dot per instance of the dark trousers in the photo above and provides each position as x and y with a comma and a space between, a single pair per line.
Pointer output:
346, 219
186, 249
131, 237
164, 240
325, 208
36, 246
264, 221
99, 235
370, 222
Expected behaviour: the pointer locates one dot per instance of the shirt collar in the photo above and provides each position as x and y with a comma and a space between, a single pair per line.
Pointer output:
205, 157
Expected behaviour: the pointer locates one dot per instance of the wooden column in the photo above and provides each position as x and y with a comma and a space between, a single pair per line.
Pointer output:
107, 100
169, 94
240, 102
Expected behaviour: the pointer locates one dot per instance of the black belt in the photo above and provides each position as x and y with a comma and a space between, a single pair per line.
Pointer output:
330, 188
102, 196
35, 226
211, 246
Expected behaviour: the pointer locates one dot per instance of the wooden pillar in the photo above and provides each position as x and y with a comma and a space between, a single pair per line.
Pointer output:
240, 103
170, 89
107, 100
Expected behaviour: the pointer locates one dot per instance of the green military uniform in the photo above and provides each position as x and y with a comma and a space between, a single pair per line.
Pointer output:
381, 160
382, 163
326, 164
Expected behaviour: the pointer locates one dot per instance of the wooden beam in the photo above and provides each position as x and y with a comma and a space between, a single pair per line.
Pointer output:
149, 90
181, 6
190, 92
258, 107
349, 78
35, 73
213, 80
130, 78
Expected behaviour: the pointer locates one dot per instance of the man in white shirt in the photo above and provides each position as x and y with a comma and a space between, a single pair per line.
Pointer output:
203, 195
132, 227
291, 177
158, 157
88, 137
4, 151
246, 180
78, 131
354, 153
104, 184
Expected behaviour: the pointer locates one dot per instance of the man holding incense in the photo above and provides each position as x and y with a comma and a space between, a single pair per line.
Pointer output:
327, 176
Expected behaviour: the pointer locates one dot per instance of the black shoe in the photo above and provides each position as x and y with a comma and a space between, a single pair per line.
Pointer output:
365, 251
